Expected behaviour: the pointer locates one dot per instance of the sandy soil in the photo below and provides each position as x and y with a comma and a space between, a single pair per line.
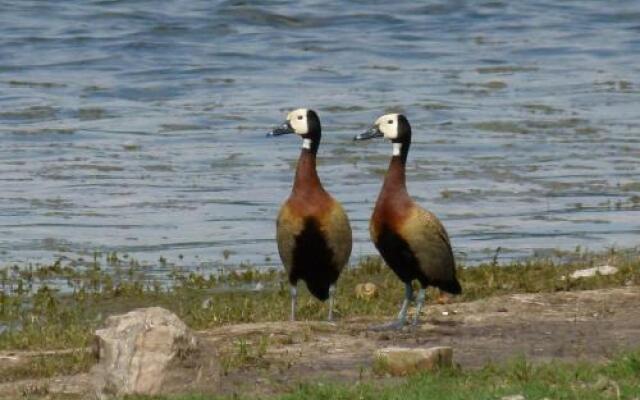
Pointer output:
266, 358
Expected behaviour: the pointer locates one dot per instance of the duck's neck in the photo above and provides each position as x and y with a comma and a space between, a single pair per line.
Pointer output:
306, 174
395, 179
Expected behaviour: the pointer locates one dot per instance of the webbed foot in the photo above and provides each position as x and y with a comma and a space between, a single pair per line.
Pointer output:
389, 326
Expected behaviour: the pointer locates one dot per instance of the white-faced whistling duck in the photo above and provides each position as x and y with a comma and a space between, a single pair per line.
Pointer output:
411, 240
313, 231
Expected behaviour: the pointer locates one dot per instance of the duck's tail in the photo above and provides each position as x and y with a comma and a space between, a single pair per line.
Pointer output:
452, 286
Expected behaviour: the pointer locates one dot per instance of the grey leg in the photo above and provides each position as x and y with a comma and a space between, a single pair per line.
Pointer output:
419, 304
402, 315
294, 299
332, 294
408, 296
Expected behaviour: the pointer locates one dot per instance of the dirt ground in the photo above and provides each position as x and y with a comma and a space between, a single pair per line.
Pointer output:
267, 358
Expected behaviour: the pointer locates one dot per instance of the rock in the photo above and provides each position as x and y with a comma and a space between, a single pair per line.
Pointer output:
149, 351
591, 272
11, 359
366, 291
399, 361
604, 384
206, 303
514, 397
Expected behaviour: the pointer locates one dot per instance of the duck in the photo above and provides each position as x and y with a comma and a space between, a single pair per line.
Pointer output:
313, 231
411, 240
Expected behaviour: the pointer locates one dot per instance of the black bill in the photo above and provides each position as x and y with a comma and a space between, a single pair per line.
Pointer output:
371, 133
283, 129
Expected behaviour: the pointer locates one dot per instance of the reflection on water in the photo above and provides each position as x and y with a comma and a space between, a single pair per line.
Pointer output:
139, 126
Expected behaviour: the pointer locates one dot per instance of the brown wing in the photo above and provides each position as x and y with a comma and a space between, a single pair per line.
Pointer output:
430, 243
338, 234
288, 226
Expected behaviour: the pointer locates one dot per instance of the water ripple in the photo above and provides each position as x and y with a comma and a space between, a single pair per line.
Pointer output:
139, 126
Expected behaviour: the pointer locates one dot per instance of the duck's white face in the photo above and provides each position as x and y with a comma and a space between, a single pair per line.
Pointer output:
388, 125
298, 121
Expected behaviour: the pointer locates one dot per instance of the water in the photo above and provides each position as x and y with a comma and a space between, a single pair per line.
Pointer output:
138, 126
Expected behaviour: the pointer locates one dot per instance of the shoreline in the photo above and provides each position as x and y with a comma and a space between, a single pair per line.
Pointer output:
44, 320
549, 343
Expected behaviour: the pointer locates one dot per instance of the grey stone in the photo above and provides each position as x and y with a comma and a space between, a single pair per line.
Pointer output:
399, 361
591, 272
366, 291
514, 397
148, 351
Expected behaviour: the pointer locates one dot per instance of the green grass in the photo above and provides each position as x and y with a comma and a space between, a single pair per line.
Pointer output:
617, 379
40, 318
46, 366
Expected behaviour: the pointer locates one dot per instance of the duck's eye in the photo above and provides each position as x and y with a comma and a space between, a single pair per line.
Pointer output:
390, 121
300, 117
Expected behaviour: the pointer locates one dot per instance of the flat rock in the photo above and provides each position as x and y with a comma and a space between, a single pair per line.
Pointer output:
514, 397
399, 361
148, 351
591, 272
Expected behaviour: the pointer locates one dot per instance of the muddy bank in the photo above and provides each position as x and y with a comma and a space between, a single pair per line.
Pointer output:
272, 357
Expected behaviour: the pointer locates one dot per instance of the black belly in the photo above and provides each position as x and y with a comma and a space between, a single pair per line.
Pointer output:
313, 260
399, 257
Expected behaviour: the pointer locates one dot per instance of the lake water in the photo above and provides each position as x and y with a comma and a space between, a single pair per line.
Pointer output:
139, 126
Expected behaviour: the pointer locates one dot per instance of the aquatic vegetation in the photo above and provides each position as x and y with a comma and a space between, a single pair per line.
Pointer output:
535, 108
